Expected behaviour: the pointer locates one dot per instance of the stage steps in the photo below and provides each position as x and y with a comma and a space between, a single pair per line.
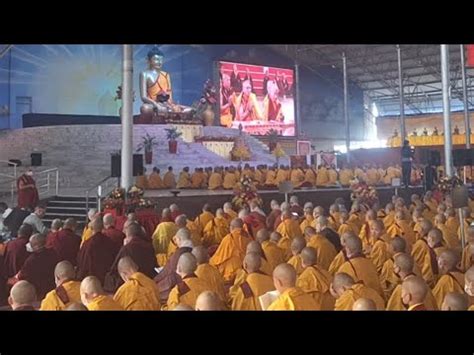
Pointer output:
63, 207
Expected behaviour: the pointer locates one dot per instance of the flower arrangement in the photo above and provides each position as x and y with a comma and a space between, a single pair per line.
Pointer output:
116, 199
245, 192
446, 184
363, 193
172, 133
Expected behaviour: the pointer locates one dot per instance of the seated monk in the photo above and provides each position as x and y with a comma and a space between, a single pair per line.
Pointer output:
22, 296
377, 250
230, 253
346, 291
56, 226
94, 297
344, 226
209, 301
76, 306
309, 178
297, 245
285, 206
452, 220
215, 180
67, 290
273, 215
163, 233
281, 176
270, 179
364, 304
325, 250
154, 180
403, 267
451, 280
231, 214
216, 229
345, 176
38, 268
315, 280
272, 253
204, 218
454, 301
334, 217
198, 179
244, 295
15, 253
450, 239
297, 177
284, 243
255, 219
230, 179
388, 277
96, 255
401, 227
308, 218
209, 273
184, 180
291, 297
332, 176
414, 291
139, 292
181, 222
358, 266
467, 259
169, 180
114, 234
323, 227
289, 226
389, 218
142, 180
364, 233
255, 247
322, 177
87, 232
356, 217
341, 257
295, 206
190, 286
65, 242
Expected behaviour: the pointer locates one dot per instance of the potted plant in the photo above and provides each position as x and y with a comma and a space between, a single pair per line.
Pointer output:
148, 142
172, 134
272, 139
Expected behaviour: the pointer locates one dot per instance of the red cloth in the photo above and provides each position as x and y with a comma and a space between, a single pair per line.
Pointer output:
149, 219
271, 219
116, 236
15, 256
95, 258
255, 221
470, 55
27, 198
66, 244
38, 269
175, 214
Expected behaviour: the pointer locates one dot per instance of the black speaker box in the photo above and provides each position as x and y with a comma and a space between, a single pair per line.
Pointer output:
116, 165
36, 159
462, 157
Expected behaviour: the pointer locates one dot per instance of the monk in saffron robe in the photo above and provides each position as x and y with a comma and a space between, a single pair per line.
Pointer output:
284, 243
414, 291
184, 179
388, 277
190, 286
154, 180
209, 273
358, 266
334, 217
289, 226
169, 180
344, 226
452, 221
291, 298
450, 239
22, 296
87, 232
372, 176
341, 256
204, 218
67, 290
356, 218
142, 181
281, 176
114, 234
216, 229
198, 179
364, 233
322, 177
96, 255
15, 251
378, 247
467, 259
230, 253
332, 176
455, 302
403, 267
401, 227
451, 280
273, 254
469, 286
245, 295
27, 193
231, 214
164, 232
215, 180
325, 250
315, 280
246, 104
139, 292
255, 247
345, 176
94, 297
308, 219
467, 220
346, 291
270, 179
297, 177
297, 245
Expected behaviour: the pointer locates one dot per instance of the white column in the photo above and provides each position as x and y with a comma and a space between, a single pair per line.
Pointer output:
127, 117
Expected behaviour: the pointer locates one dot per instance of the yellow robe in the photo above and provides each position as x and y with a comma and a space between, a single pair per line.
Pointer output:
325, 250
215, 181
358, 290
259, 177
86, 234
388, 278
336, 264
389, 219
155, 182
355, 222
187, 291
270, 178
266, 267
297, 263
362, 269
245, 295
345, 177
379, 254
282, 175
449, 236
274, 255
293, 299
197, 180
346, 227
395, 301
285, 244
230, 181
230, 254
213, 278
310, 177
307, 222
315, 281
169, 181
451, 282
402, 229
55, 301
184, 180
332, 177
104, 303
162, 83
364, 234
452, 223
467, 223
372, 177
296, 177
232, 215
142, 182
203, 219
467, 260
162, 236
421, 255
139, 293
215, 230
322, 177
289, 228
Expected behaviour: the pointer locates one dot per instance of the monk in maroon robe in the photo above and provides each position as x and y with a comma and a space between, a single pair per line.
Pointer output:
115, 235
15, 251
65, 242
38, 268
96, 255
3, 284
274, 215
27, 193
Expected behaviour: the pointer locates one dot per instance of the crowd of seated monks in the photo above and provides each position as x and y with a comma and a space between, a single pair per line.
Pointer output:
405, 256
265, 177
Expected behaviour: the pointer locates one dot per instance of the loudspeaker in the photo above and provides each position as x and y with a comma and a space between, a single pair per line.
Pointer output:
116, 165
435, 158
460, 196
36, 159
462, 157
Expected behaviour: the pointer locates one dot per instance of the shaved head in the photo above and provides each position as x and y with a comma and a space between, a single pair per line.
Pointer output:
353, 245
70, 223
182, 235
454, 301
92, 212
166, 213
227, 206
183, 307
108, 220
187, 264
56, 224
76, 307
174, 207
25, 231
64, 271
252, 262
275, 237
425, 226
209, 301
91, 286
440, 218
364, 304
398, 245
284, 277
134, 230
127, 265
254, 247
309, 256
97, 225
435, 237
297, 245
220, 213
37, 241
341, 279
22, 293
405, 262
181, 221
236, 223
414, 290
201, 254
448, 261
262, 235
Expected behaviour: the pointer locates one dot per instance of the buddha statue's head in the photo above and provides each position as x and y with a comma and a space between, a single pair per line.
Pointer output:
155, 58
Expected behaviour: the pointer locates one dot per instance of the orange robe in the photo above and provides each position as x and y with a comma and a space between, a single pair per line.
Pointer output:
215, 230
104, 303
61, 297
309, 178
467, 260
338, 261
273, 254
86, 234
322, 177
402, 229
345, 177
230, 180
142, 182
203, 219
245, 296
162, 236
379, 254
451, 282
293, 299
452, 223
285, 244
426, 261
358, 290
362, 269
297, 263
155, 182
289, 228
332, 177
215, 181
197, 180
449, 236
169, 181
316, 281
395, 301
213, 278
281, 176
187, 291
162, 84
307, 222
297, 177
139, 293
270, 179
184, 180
325, 250
344, 228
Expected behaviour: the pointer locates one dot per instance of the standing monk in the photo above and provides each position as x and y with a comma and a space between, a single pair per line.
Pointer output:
27, 192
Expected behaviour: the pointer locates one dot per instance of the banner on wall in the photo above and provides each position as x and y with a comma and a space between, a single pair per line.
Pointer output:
304, 148
298, 161
470, 55
327, 159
